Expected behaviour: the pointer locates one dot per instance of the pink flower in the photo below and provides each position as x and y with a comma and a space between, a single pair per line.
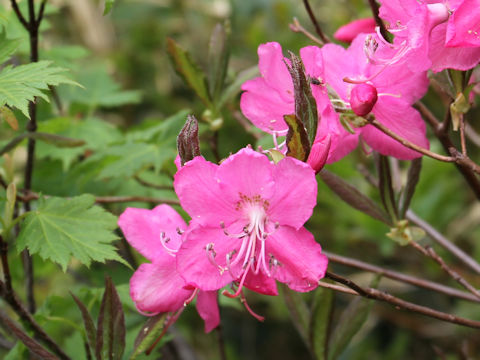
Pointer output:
433, 34
388, 91
268, 98
157, 286
250, 214
348, 32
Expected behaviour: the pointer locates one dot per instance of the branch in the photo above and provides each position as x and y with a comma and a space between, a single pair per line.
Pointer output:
151, 185
19, 14
443, 241
430, 285
314, 21
40, 13
297, 27
375, 294
378, 21
12, 299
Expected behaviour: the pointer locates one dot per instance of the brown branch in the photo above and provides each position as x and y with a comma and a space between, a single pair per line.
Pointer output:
375, 294
40, 13
314, 21
383, 30
12, 299
297, 27
428, 251
426, 284
151, 185
440, 131
443, 241
19, 15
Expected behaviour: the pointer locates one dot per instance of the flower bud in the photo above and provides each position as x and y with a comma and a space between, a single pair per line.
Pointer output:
348, 32
363, 98
319, 154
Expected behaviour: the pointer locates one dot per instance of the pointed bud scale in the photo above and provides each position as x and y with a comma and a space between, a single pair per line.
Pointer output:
363, 98
187, 141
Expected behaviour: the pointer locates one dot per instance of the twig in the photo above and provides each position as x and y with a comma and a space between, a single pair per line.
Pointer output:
213, 142
40, 13
151, 185
297, 27
440, 131
19, 14
426, 284
375, 294
378, 21
314, 21
428, 251
338, 288
221, 342
444, 242
5, 267
462, 136
12, 299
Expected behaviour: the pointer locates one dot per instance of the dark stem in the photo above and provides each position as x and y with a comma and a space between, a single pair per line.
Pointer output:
12, 299
375, 294
314, 21
5, 266
426, 284
383, 30
213, 141
19, 14
221, 342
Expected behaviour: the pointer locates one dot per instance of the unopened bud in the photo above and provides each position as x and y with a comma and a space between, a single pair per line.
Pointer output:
363, 98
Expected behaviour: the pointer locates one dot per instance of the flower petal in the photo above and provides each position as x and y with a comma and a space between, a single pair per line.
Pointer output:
197, 188
158, 287
142, 229
348, 32
207, 308
273, 69
295, 193
193, 262
301, 262
261, 283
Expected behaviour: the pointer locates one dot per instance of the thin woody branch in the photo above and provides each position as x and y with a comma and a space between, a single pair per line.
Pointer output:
19, 14
374, 7
394, 275
314, 21
297, 27
375, 294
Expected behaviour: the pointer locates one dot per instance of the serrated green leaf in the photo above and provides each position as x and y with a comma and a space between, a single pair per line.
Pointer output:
60, 229
7, 47
189, 71
148, 334
19, 85
297, 139
110, 325
108, 6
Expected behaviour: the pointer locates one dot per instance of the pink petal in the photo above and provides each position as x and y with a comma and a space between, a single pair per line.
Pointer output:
273, 69
207, 308
302, 263
348, 32
246, 173
295, 193
312, 60
142, 229
197, 188
464, 25
403, 120
193, 262
264, 107
261, 283
158, 287
319, 154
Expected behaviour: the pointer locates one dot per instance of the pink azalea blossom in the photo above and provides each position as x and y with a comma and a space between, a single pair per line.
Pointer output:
348, 32
433, 34
388, 91
250, 214
157, 286
268, 98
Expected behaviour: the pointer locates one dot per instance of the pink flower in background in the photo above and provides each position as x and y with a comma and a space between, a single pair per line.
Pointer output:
250, 214
157, 286
388, 91
268, 98
432, 34
348, 32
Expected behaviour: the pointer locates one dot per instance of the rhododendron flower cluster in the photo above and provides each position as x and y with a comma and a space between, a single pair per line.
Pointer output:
246, 232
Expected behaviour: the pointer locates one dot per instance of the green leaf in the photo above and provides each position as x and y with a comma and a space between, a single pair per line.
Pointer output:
108, 6
299, 312
189, 71
57, 140
234, 88
110, 325
19, 85
297, 140
385, 186
7, 47
148, 334
60, 229
353, 197
9, 117
88, 324
218, 56
412, 180
305, 104
320, 321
